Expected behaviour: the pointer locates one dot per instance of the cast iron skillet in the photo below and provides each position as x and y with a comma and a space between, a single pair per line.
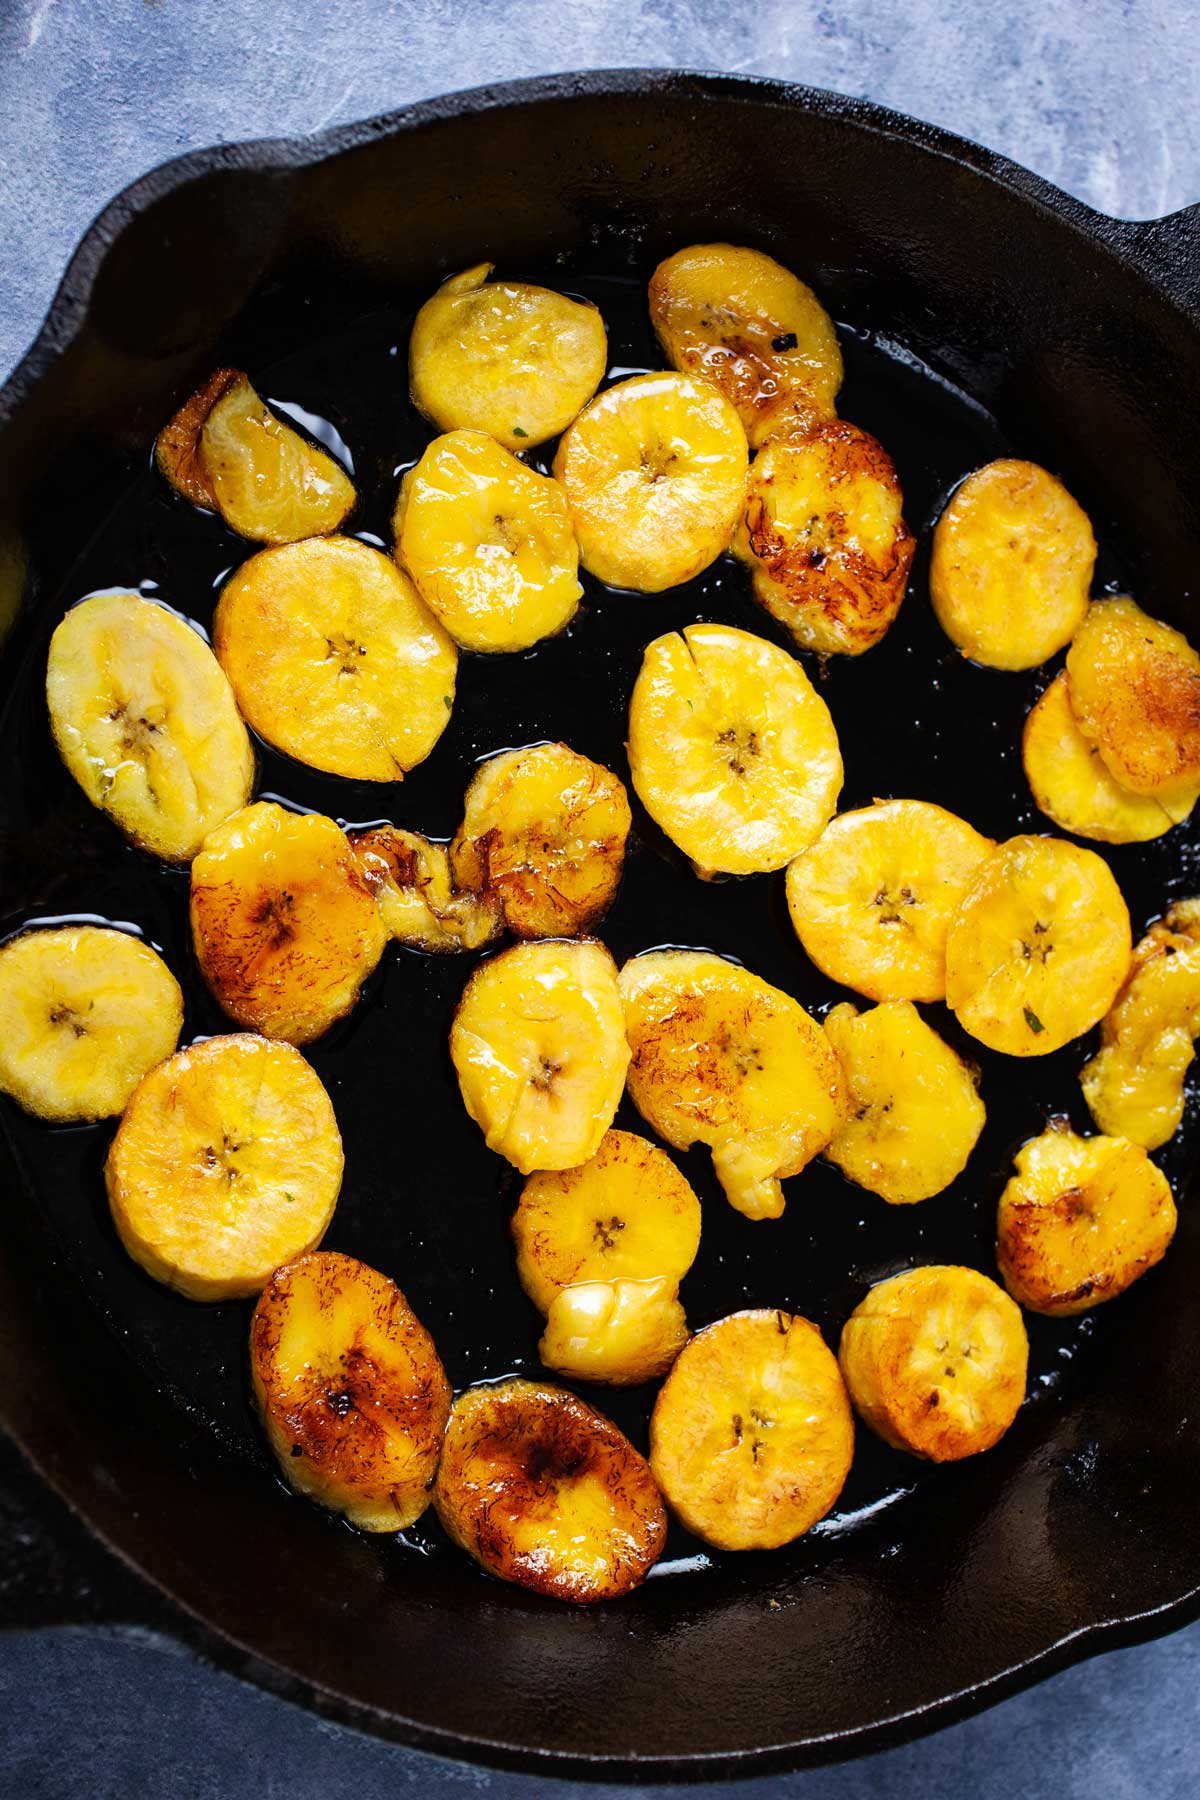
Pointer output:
1077, 340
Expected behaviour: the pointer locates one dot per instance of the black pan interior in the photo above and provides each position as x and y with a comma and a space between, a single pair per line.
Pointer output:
423, 1199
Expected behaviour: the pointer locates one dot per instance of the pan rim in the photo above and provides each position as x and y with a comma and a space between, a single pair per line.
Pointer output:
69, 304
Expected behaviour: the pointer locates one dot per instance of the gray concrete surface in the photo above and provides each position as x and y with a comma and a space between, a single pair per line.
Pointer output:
122, 1719
1099, 97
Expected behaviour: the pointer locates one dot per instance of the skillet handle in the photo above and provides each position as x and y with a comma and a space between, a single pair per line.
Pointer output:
1169, 251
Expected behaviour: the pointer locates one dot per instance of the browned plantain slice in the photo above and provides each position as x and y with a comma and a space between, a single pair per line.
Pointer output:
1080, 1220
546, 1492
418, 900
740, 320
1073, 785
285, 926
177, 447
350, 1389
1135, 694
544, 830
825, 539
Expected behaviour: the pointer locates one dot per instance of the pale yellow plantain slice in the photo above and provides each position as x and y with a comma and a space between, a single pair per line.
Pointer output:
751, 1437
620, 1332
913, 1112
1080, 1220
1134, 1083
1074, 787
144, 718
1038, 947
85, 1012
227, 1163
731, 749
546, 1492
267, 481
654, 472
825, 539
1135, 694
538, 1044
935, 1360
226, 451
544, 832
1012, 564
285, 925
505, 357
350, 1389
489, 544
740, 320
720, 1057
872, 899
334, 659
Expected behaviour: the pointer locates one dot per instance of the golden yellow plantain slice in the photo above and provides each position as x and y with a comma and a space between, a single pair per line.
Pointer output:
225, 449
334, 658
825, 538
489, 544
740, 320
84, 1013
1012, 565
544, 831
418, 900
627, 1213
285, 925
545, 1491
731, 749
538, 1044
144, 718
620, 1332
504, 357
1038, 947
1080, 1220
227, 1163
1134, 1083
873, 897
751, 1437
350, 1389
654, 472
1073, 786
1135, 694
913, 1112
935, 1360
719, 1057
601, 1250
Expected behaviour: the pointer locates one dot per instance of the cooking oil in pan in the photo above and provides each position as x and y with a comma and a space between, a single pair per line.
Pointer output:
423, 1199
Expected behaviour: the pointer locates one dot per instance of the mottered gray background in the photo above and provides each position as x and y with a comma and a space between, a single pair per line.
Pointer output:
1098, 95
97, 1699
